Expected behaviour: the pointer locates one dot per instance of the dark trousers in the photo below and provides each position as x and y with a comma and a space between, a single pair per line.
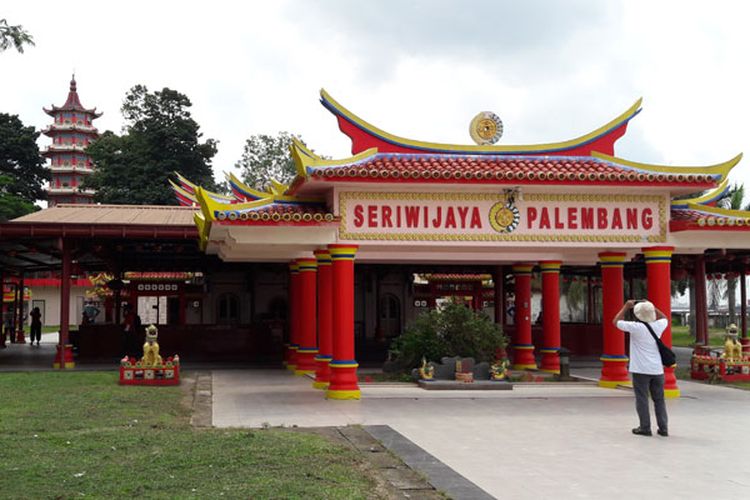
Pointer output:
36, 333
642, 385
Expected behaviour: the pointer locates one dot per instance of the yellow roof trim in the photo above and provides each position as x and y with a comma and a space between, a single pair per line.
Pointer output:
720, 211
722, 169
180, 190
301, 146
260, 194
306, 162
203, 230
530, 148
709, 196
208, 205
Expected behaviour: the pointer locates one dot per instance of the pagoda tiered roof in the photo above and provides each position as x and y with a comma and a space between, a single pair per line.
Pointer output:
72, 103
56, 128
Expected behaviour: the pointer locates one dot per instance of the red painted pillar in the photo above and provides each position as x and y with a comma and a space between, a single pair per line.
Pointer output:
325, 321
343, 367
2, 308
291, 353
64, 355
20, 337
743, 312
701, 301
613, 358
550, 316
523, 348
307, 307
658, 262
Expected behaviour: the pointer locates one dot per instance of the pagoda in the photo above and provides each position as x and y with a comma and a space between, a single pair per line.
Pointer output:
71, 132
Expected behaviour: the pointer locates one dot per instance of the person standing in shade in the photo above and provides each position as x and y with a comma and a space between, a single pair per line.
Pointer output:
645, 362
36, 325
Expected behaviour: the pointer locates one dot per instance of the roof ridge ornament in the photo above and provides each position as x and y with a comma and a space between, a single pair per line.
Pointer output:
486, 128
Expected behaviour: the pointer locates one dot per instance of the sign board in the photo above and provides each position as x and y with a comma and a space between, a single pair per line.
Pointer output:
574, 218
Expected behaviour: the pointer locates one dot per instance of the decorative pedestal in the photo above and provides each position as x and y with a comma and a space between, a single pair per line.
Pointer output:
64, 357
614, 371
323, 371
707, 367
745, 341
344, 381
133, 373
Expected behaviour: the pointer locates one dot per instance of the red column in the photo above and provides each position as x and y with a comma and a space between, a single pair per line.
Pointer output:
701, 301
523, 348
306, 301
64, 355
343, 367
613, 358
2, 308
658, 262
291, 353
20, 338
550, 316
325, 321
743, 312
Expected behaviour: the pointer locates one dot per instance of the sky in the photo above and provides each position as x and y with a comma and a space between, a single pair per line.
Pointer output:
552, 70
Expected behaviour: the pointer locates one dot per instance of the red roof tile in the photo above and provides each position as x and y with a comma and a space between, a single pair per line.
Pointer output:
277, 212
461, 168
691, 220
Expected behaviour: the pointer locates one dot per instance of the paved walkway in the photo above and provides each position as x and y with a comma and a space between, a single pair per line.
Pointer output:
533, 442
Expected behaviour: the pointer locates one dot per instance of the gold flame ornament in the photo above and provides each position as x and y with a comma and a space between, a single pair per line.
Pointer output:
486, 128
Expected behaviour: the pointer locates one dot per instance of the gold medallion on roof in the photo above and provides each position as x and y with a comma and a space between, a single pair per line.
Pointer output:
486, 128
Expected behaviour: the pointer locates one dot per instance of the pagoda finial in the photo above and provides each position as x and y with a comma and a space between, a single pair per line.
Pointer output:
73, 82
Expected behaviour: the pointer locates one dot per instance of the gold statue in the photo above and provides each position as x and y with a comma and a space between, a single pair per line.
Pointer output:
499, 369
426, 372
151, 356
732, 348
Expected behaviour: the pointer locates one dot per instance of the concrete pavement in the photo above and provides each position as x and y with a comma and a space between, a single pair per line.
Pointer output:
533, 442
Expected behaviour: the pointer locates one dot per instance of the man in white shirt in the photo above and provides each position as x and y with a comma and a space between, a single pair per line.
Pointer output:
645, 362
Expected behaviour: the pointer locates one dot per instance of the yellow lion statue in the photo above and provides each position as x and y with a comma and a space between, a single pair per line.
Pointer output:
151, 355
732, 348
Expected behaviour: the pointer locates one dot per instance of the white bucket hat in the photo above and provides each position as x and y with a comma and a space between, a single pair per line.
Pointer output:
644, 311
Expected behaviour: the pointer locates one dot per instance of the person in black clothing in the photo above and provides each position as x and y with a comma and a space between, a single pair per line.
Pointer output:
36, 325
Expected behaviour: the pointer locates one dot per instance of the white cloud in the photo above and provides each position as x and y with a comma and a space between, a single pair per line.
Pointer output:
551, 70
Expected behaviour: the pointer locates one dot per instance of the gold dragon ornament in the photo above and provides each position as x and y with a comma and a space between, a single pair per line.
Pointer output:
426, 371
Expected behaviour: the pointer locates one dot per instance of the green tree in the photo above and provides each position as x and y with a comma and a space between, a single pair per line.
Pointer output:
14, 36
160, 137
267, 157
22, 171
453, 330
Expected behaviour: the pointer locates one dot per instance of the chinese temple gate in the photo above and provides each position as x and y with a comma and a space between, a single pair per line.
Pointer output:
513, 208
336, 263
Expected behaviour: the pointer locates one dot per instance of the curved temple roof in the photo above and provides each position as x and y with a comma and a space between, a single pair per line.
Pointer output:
365, 136
382, 157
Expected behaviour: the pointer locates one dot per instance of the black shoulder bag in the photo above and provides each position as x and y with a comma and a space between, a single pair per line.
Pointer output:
668, 357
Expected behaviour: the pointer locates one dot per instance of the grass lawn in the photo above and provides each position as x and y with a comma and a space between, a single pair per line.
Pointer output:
80, 435
681, 336
53, 328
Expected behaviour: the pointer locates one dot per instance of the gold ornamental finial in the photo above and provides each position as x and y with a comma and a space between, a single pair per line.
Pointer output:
486, 128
